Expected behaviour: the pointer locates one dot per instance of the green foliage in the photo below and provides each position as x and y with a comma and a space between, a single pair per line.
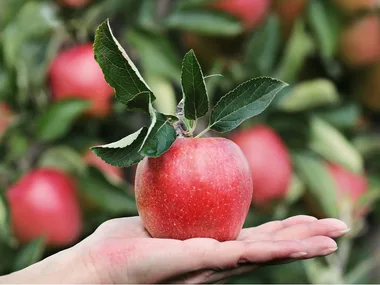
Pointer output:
107, 197
263, 47
321, 116
320, 184
120, 72
161, 135
56, 122
29, 254
245, 101
124, 152
195, 96
207, 23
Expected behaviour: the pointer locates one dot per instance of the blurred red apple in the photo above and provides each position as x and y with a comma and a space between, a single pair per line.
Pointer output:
198, 188
6, 117
74, 3
112, 172
289, 11
349, 185
44, 203
74, 73
353, 6
269, 161
250, 12
360, 42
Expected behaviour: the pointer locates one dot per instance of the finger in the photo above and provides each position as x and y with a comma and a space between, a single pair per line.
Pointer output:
164, 259
275, 226
262, 252
327, 227
319, 246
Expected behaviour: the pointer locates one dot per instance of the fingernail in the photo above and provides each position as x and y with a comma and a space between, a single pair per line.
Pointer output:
298, 254
329, 250
341, 232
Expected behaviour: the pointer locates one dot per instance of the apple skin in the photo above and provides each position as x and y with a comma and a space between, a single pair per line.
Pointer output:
354, 6
250, 12
74, 73
74, 3
201, 187
360, 42
269, 161
44, 203
112, 172
288, 12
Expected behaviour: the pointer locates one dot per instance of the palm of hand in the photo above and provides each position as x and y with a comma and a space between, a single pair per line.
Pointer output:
122, 251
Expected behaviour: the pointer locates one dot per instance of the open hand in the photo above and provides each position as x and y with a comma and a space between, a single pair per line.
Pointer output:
122, 251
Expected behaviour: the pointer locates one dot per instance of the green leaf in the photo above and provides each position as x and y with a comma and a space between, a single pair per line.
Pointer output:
333, 146
196, 103
124, 152
294, 128
345, 116
161, 134
58, 119
315, 175
156, 54
263, 47
29, 254
204, 22
63, 157
119, 71
245, 101
101, 193
5, 222
298, 48
30, 40
325, 21
310, 94
166, 100
34, 21
186, 4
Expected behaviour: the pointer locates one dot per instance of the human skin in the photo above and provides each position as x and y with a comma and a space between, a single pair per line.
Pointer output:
122, 251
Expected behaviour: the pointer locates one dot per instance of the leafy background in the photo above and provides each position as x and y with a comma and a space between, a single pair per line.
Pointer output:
328, 114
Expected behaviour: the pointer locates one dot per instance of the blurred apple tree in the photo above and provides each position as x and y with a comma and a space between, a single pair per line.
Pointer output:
328, 51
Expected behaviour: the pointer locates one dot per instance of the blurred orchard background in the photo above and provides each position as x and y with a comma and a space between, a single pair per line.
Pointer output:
316, 150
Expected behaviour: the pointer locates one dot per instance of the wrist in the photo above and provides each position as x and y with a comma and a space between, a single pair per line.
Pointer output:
67, 266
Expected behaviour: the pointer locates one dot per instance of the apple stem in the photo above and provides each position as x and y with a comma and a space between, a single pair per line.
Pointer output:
202, 133
181, 129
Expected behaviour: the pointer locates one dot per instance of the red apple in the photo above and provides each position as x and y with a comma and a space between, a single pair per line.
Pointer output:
360, 42
269, 161
6, 117
353, 6
349, 185
198, 188
112, 172
289, 11
250, 12
74, 3
44, 203
74, 73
